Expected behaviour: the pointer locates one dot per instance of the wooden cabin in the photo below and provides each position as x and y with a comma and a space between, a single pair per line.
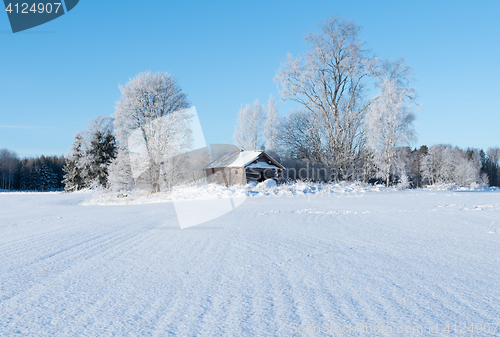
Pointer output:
239, 168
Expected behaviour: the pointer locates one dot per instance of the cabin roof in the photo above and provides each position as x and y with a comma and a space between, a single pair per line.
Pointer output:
240, 159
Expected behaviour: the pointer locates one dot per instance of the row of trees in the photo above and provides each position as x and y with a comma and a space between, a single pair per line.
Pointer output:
257, 123
93, 150
143, 144
30, 174
338, 126
298, 146
355, 121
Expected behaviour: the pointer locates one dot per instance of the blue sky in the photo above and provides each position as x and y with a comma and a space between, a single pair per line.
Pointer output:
56, 77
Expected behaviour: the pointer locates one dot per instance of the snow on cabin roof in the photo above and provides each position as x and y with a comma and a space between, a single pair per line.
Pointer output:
237, 159
245, 158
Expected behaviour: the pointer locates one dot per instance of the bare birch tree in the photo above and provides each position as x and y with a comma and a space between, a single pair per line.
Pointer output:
329, 82
389, 124
249, 129
271, 126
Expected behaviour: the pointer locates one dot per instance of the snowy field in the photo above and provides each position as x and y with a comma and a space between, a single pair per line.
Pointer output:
275, 266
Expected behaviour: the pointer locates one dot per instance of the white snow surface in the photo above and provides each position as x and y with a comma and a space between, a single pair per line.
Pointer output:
290, 256
200, 191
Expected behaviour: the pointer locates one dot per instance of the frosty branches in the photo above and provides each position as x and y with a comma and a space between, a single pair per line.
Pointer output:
144, 98
444, 164
272, 124
87, 161
249, 129
152, 122
389, 123
329, 83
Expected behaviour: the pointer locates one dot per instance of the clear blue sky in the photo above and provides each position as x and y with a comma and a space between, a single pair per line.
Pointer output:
56, 77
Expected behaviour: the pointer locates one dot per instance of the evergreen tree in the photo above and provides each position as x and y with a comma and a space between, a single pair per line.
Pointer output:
25, 176
74, 177
102, 151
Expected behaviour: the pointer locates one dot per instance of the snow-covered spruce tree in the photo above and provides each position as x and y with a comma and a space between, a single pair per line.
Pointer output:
87, 161
102, 151
75, 176
271, 126
249, 129
390, 124
152, 124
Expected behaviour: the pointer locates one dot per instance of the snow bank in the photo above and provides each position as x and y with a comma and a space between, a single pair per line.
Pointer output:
269, 183
268, 188
456, 187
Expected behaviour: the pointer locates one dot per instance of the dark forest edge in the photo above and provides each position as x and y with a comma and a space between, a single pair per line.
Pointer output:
42, 173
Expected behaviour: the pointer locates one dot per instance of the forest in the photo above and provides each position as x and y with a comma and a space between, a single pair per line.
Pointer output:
30, 174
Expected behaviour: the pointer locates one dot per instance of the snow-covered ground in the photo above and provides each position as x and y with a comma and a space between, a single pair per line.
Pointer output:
279, 264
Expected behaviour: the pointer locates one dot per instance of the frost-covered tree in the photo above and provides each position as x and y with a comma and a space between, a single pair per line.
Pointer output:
249, 129
390, 125
74, 167
271, 125
89, 157
241, 135
159, 159
329, 82
120, 177
102, 151
447, 165
152, 123
437, 165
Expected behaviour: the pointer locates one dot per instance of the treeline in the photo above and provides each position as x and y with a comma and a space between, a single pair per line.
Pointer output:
30, 174
85, 165
341, 131
344, 132
417, 168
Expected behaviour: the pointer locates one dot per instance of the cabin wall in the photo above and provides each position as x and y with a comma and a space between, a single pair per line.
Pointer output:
227, 176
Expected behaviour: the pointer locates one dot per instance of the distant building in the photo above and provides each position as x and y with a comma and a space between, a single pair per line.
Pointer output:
239, 168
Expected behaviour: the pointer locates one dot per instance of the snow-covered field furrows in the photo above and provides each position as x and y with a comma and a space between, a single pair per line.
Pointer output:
394, 258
